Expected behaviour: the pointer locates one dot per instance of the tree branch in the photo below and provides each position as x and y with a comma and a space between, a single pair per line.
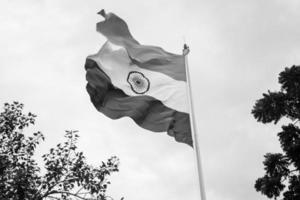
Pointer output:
53, 197
53, 186
69, 193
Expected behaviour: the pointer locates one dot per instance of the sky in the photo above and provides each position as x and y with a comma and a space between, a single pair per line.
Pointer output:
237, 48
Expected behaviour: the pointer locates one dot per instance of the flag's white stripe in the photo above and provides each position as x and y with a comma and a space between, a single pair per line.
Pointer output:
114, 61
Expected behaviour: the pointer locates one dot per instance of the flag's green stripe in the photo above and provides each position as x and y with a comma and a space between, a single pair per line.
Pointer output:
146, 111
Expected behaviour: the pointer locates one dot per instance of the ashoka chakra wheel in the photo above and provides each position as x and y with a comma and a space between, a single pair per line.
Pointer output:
138, 82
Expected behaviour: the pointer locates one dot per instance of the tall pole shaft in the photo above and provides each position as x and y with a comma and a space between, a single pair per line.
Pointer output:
193, 124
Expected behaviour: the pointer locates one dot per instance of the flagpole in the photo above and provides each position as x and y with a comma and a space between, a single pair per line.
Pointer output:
193, 124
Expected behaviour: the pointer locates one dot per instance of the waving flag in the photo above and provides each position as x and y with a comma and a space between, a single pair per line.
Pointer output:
143, 82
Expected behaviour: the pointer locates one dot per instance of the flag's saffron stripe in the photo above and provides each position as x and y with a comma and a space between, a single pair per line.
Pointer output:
148, 57
146, 111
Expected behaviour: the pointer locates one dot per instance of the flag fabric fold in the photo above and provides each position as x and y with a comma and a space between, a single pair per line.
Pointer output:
142, 82
149, 57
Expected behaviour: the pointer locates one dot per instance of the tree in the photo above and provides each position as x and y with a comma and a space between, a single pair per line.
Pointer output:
282, 170
67, 175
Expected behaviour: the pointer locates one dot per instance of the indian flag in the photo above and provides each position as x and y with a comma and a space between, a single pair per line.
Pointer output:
143, 82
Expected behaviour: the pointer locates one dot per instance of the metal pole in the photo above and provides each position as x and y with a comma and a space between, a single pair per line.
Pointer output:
193, 123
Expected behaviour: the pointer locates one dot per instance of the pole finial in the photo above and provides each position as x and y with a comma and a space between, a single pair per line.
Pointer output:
186, 49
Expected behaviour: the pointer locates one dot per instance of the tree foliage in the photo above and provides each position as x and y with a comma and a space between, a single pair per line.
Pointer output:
67, 175
282, 170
